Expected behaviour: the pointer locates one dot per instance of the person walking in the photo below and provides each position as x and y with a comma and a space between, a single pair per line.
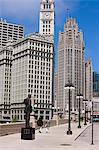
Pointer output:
40, 124
47, 125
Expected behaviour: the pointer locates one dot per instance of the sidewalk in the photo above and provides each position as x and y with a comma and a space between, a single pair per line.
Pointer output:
56, 139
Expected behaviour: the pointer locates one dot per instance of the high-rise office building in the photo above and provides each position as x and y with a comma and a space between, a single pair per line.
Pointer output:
32, 73
31, 68
70, 64
88, 80
5, 81
9, 31
96, 91
55, 88
95, 84
47, 15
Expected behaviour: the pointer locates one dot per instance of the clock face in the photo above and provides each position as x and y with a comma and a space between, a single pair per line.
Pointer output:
47, 15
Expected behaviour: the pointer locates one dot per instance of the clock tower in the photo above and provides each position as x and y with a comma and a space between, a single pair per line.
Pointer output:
47, 14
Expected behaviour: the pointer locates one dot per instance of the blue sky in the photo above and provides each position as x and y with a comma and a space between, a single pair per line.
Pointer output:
86, 12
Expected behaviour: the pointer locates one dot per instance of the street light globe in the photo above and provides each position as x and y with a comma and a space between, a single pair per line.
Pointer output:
69, 86
85, 100
72, 88
79, 96
66, 88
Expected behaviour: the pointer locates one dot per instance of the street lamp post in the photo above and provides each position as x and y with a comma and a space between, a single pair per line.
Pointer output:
92, 143
85, 100
90, 105
53, 108
79, 96
69, 87
90, 115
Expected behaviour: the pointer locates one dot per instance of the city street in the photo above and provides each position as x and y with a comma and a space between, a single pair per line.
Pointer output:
56, 139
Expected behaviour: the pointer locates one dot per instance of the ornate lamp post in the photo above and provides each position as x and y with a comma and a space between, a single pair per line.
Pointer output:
69, 87
85, 100
92, 143
79, 97
90, 106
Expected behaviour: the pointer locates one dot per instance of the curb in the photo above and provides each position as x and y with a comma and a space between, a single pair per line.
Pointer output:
82, 132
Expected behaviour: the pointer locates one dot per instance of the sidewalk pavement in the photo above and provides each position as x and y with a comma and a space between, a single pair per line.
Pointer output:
56, 139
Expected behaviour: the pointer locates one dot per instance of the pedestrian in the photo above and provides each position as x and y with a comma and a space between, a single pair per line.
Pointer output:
40, 124
47, 125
